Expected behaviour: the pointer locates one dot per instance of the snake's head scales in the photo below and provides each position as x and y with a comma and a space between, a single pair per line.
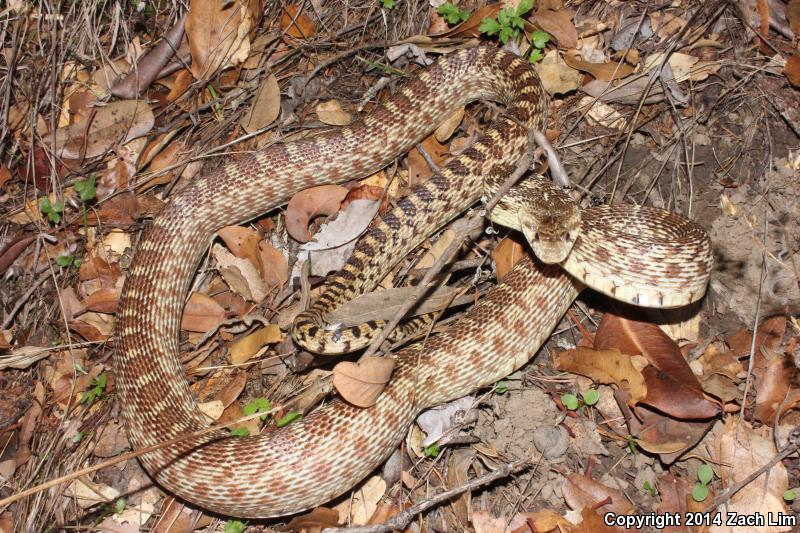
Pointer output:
551, 227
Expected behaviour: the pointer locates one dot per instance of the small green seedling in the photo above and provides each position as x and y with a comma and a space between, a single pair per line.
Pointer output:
388, 4
240, 432
87, 189
509, 22
790, 495
432, 451
573, 403
570, 401
700, 490
218, 116
52, 210
235, 526
539, 40
98, 385
649, 488
452, 14
591, 397
120, 504
65, 261
288, 418
501, 387
257, 405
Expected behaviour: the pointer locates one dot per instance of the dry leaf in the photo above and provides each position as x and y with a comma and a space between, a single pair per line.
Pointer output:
201, 314
351, 222
446, 128
672, 387
266, 106
793, 16
363, 503
361, 383
507, 254
469, 28
556, 76
241, 275
299, 26
117, 122
418, 168
275, 267
247, 347
601, 71
792, 70
558, 24
603, 114
217, 31
242, 242
331, 112
604, 366
738, 450
310, 203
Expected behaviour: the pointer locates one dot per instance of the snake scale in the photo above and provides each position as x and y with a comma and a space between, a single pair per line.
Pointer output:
664, 260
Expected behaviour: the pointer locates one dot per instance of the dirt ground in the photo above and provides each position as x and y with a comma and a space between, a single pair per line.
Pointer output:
89, 160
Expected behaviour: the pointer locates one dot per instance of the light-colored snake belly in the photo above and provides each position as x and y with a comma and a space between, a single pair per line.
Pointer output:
305, 464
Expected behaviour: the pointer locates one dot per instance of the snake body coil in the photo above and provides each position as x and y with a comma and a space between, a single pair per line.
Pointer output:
304, 464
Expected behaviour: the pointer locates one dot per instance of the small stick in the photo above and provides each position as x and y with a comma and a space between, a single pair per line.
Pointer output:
401, 520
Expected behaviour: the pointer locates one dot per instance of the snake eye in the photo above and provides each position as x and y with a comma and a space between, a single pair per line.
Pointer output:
567, 237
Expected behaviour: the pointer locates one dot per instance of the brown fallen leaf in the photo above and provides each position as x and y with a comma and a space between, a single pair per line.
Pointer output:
310, 203
792, 70
243, 242
12, 249
793, 15
266, 106
558, 23
331, 112
446, 128
247, 347
770, 335
315, 521
103, 300
737, 451
773, 383
5, 175
469, 28
508, 253
604, 366
116, 122
418, 168
241, 275
275, 267
361, 383
201, 314
601, 71
672, 387
582, 492
297, 24
659, 433
217, 31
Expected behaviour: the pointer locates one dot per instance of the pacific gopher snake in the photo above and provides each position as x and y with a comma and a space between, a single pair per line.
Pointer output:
304, 464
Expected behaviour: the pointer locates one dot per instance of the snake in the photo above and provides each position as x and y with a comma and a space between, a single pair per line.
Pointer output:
638, 254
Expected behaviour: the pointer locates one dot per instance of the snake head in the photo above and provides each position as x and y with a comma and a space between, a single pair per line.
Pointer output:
551, 229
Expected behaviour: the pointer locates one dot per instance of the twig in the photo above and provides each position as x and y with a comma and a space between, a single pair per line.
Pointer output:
402, 519
733, 489
758, 312
474, 222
